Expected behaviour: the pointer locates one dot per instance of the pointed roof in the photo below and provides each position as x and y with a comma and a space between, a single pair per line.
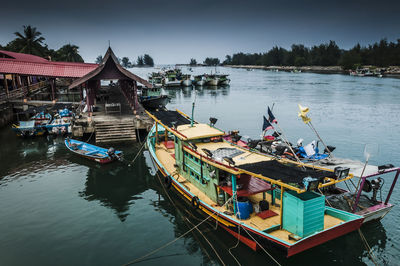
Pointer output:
109, 69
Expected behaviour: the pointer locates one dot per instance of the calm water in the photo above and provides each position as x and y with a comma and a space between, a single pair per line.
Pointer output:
58, 209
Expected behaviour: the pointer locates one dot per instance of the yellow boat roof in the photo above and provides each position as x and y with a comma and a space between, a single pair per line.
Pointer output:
198, 131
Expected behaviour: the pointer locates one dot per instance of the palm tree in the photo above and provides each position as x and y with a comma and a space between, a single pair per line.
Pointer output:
69, 53
99, 59
30, 41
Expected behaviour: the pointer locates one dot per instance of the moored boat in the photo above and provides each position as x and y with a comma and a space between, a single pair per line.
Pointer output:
28, 129
271, 202
212, 80
92, 152
186, 80
152, 98
223, 79
199, 80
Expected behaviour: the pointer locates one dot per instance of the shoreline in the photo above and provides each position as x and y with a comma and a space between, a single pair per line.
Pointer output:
391, 72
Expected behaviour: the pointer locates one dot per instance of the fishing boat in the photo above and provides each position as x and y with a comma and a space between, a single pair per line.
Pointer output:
361, 200
92, 152
152, 98
260, 200
28, 129
156, 79
212, 80
172, 78
186, 80
199, 80
223, 79
41, 118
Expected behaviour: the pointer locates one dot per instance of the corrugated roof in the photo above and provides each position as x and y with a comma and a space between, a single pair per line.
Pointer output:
31, 65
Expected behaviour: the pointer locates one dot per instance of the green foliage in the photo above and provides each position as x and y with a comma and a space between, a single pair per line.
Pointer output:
328, 54
125, 62
140, 61
211, 61
193, 62
68, 53
147, 60
31, 41
99, 59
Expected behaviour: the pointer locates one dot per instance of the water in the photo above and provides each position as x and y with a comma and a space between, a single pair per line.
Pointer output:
57, 208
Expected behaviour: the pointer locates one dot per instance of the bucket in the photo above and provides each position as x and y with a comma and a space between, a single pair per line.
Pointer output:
244, 209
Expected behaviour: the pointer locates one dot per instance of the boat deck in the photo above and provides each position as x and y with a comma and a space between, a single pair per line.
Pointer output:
166, 157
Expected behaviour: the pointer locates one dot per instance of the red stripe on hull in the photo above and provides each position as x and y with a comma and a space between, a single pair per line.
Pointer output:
325, 236
250, 243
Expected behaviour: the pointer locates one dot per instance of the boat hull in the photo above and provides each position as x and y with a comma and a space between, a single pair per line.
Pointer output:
187, 82
155, 102
200, 83
213, 82
224, 82
99, 159
250, 236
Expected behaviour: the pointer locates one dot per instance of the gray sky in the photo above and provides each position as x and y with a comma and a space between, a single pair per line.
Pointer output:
176, 30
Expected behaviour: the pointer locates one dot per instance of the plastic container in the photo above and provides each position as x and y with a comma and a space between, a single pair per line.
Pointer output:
244, 209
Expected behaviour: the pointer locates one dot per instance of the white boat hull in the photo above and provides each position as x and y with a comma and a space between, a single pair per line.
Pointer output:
200, 83
172, 84
187, 82
224, 82
213, 82
375, 212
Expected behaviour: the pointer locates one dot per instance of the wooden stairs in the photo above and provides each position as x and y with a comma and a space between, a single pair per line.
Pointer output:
115, 131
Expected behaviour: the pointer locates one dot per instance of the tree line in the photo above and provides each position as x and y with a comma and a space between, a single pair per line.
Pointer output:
381, 54
31, 41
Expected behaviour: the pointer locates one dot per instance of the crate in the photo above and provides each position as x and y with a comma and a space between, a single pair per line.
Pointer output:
303, 214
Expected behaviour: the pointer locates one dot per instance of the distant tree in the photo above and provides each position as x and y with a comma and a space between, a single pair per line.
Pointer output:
29, 41
193, 62
125, 62
140, 61
68, 53
147, 60
211, 61
228, 60
99, 59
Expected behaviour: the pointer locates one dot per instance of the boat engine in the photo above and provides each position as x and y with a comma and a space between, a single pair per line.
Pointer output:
111, 153
376, 185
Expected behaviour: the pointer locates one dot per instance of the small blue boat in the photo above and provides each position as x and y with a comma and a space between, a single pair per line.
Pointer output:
92, 152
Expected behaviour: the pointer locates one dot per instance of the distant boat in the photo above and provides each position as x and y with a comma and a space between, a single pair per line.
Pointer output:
186, 80
199, 80
212, 80
152, 98
156, 80
223, 80
172, 78
92, 152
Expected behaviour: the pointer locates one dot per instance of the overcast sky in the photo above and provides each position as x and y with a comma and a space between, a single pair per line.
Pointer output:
173, 31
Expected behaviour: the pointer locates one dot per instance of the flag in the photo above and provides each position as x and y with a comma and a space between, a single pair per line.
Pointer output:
271, 117
266, 125
303, 114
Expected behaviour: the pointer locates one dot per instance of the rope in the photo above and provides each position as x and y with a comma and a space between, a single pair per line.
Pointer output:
235, 246
137, 155
171, 242
367, 246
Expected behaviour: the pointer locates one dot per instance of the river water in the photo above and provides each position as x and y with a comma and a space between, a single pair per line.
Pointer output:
58, 209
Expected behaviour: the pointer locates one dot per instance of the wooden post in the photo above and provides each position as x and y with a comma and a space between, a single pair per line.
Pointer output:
234, 194
5, 84
53, 84
282, 190
13, 82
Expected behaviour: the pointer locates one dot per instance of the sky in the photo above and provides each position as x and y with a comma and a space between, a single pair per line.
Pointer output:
173, 31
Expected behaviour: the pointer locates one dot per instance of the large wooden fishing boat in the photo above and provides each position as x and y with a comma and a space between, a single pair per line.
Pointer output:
258, 199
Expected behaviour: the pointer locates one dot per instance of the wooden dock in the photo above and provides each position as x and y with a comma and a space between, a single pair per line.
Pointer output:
116, 129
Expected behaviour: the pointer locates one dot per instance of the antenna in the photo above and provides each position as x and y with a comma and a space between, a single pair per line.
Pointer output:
109, 44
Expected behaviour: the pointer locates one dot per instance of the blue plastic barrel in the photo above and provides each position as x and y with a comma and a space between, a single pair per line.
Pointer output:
244, 209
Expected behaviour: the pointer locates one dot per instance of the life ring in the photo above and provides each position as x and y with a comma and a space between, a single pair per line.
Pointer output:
195, 202
167, 181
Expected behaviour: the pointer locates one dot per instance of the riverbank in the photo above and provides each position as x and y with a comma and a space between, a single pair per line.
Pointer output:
392, 71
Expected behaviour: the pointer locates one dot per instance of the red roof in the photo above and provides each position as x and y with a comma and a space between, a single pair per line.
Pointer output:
31, 65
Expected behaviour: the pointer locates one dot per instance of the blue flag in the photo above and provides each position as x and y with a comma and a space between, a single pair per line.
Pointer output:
266, 125
271, 117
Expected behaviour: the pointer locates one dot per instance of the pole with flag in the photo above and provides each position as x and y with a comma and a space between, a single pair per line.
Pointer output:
303, 114
272, 119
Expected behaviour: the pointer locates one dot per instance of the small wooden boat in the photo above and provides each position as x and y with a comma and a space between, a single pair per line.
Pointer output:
223, 79
92, 152
212, 80
153, 99
271, 202
186, 80
199, 80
